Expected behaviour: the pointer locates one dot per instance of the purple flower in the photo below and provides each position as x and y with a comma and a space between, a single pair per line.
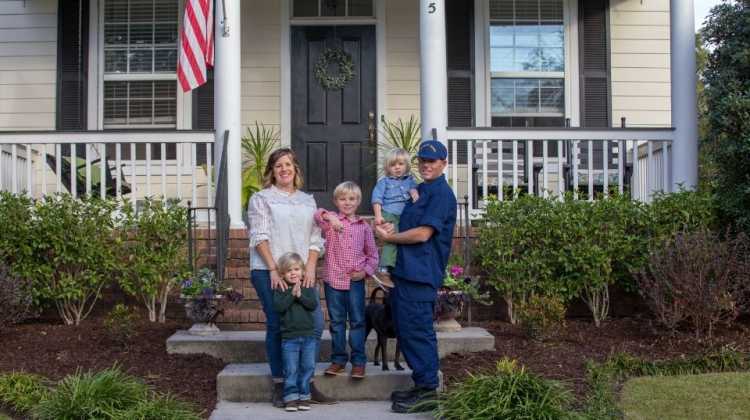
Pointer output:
457, 270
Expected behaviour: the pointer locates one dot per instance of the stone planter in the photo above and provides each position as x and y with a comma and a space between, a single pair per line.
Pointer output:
203, 312
449, 305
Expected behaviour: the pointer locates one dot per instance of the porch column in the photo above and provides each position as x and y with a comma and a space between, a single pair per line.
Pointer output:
433, 68
684, 96
227, 102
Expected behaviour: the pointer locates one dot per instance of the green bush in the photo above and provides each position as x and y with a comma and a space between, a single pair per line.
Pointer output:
16, 218
541, 316
155, 253
158, 407
508, 393
120, 323
22, 391
91, 396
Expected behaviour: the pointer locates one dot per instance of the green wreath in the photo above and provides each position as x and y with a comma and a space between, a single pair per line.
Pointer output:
342, 60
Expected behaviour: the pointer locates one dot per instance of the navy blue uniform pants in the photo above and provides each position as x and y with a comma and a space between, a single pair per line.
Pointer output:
412, 319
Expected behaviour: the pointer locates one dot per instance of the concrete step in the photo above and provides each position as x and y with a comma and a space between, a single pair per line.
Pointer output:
249, 346
252, 383
360, 410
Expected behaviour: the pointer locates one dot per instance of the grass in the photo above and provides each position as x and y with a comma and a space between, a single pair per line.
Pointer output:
707, 396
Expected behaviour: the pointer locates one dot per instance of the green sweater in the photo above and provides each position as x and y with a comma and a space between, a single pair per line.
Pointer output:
296, 312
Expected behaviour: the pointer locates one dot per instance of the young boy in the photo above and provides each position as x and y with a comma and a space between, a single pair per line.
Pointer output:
351, 255
295, 306
389, 197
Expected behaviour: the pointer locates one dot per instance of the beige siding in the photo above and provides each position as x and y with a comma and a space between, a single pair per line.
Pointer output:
640, 62
402, 59
261, 62
28, 60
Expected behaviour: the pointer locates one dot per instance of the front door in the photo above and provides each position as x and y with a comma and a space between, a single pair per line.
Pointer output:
333, 129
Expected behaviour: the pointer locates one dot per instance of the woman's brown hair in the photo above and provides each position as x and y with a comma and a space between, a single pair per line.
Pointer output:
268, 178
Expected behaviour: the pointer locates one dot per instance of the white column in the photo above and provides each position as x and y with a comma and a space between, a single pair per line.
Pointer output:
227, 101
433, 68
684, 96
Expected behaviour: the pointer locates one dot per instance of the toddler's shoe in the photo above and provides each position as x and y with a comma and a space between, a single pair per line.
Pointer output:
291, 406
335, 370
303, 405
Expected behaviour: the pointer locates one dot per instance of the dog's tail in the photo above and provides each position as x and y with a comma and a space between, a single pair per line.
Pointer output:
374, 293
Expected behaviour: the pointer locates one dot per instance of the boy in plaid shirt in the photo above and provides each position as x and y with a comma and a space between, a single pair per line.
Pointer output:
351, 256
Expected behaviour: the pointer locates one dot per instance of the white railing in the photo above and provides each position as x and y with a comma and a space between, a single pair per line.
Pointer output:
550, 162
131, 164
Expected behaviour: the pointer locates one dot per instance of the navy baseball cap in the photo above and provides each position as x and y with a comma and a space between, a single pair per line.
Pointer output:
432, 149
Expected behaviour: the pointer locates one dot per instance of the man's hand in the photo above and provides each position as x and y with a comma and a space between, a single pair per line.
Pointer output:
357, 275
379, 220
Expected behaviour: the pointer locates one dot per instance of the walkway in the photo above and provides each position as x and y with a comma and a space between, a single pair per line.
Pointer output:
355, 410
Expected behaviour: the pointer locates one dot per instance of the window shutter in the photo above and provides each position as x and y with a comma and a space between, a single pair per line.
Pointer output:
594, 63
72, 64
459, 21
203, 111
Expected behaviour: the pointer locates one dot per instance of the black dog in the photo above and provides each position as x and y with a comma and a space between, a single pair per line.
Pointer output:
378, 317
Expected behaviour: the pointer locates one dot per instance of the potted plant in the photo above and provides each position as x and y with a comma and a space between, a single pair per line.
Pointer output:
456, 291
203, 297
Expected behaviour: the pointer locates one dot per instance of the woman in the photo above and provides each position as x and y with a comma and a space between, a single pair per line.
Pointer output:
281, 221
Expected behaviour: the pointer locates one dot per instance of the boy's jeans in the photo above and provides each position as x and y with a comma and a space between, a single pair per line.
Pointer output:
261, 280
299, 366
342, 304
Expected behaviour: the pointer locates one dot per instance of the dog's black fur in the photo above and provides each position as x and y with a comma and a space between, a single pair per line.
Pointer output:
378, 317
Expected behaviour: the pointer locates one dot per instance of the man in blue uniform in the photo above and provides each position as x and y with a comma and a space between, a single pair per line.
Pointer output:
424, 243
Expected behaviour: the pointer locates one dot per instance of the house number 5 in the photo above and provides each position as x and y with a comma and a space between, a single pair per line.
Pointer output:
431, 8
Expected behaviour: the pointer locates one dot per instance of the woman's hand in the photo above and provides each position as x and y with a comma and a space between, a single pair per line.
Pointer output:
309, 280
277, 282
335, 223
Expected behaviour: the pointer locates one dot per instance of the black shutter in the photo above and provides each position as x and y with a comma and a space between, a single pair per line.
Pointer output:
459, 21
594, 63
72, 64
203, 112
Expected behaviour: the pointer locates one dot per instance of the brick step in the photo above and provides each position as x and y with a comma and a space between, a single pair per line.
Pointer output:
250, 347
252, 383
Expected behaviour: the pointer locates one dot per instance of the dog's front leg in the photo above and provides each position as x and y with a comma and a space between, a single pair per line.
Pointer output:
397, 357
384, 353
375, 360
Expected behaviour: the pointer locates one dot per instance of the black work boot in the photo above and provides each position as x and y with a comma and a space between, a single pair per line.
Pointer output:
277, 395
317, 397
403, 394
419, 401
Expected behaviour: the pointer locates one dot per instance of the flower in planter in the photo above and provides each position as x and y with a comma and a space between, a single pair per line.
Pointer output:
203, 296
455, 282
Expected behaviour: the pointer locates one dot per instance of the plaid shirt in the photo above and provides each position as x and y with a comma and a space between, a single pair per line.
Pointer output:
352, 249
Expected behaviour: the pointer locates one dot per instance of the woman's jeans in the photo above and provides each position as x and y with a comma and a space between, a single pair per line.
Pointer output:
299, 367
261, 280
343, 304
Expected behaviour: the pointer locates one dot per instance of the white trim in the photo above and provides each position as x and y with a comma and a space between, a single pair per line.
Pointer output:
571, 74
92, 102
481, 92
562, 134
382, 69
331, 20
286, 75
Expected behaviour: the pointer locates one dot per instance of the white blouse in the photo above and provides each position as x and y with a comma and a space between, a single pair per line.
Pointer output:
284, 220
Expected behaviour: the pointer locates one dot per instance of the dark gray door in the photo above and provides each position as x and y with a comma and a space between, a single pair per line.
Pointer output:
332, 129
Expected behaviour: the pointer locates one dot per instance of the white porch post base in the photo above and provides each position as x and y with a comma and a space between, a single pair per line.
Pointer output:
684, 96
228, 102
433, 69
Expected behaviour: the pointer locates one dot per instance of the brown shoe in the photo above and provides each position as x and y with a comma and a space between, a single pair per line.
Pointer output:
358, 372
335, 370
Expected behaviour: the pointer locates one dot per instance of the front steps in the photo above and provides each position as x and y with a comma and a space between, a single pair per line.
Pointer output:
249, 346
252, 383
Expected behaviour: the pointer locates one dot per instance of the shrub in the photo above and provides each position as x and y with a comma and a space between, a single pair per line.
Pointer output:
22, 391
699, 279
508, 393
120, 324
75, 252
257, 147
682, 211
91, 396
155, 253
16, 218
541, 316
16, 301
158, 407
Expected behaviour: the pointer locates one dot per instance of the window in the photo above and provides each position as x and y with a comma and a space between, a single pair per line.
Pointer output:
332, 8
527, 63
140, 63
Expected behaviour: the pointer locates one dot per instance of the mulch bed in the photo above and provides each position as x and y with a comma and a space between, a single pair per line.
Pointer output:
55, 350
564, 357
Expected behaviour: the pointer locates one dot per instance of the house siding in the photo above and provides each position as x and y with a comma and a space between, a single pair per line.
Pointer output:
402, 59
28, 61
639, 35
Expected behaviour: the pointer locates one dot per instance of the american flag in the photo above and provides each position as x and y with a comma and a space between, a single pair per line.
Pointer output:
196, 44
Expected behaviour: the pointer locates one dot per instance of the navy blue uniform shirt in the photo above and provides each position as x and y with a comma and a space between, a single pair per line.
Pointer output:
424, 263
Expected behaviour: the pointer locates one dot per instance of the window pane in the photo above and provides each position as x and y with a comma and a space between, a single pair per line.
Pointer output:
333, 7
115, 34
527, 59
116, 11
166, 33
141, 10
551, 35
141, 34
305, 8
167, 11
141, 61
527, 96
501, 35
502, 59
165, 61
502, 96
552, 59
360, 8
115, 61
527, 35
